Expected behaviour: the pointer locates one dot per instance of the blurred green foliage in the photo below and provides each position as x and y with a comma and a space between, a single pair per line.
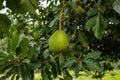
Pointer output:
92, 26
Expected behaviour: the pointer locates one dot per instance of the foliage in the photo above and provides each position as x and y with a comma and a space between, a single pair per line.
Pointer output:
111, 75
92, 26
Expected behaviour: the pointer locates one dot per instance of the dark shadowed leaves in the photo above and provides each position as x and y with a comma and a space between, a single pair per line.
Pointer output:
25, 73
4, 24
17, 8
94, 65
15, 40
68, 63
83, 39
1, 2
89, 24
93, 55
46, 74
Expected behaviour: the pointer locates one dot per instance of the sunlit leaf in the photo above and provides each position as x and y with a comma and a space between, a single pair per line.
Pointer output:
80, 10
3, 77
15, 40
116, 6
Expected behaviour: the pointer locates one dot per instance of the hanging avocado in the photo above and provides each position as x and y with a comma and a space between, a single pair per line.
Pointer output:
58, 41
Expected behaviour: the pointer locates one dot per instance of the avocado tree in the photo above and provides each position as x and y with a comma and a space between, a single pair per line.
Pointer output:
86, 38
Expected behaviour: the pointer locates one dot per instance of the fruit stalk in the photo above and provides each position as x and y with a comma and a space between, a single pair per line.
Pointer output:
60, 18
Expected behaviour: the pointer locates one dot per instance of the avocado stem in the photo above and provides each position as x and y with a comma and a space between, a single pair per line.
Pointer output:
60, 18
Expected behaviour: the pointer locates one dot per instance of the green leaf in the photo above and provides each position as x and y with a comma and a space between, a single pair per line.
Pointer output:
91, 12
24, 44
25, 73
96, 27
28, 5
93, 65
89, 24
76, 71
35, 65
1, 2
31, 52
61, 59
77, 7
80, 10
114, 20
17, 69
15, 40
80, 65
116, 6
73, 4
51, 24
68, 63
13, 76
2, 54
55, 69
17, 77
46, 53
23, 6
67, 75
18, 51
99, 26
4, 77
5, 66
85, 1
45, 74
4, 24
99, 3
83, 39
93, 55
15, 6
35, 3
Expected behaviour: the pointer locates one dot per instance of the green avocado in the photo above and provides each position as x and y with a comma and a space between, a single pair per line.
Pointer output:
58, 41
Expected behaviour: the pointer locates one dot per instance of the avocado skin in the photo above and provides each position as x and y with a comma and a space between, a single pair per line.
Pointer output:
58, 42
